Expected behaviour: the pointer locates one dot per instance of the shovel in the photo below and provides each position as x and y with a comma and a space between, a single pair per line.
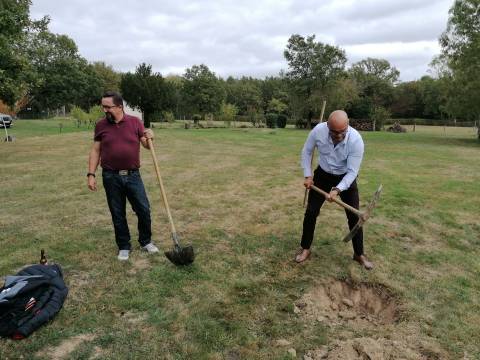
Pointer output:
179, 255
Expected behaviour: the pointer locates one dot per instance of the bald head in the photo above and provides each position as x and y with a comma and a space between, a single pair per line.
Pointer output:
338, 120
338, 125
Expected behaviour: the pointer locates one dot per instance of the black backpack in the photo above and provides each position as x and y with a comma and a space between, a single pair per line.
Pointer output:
30, 299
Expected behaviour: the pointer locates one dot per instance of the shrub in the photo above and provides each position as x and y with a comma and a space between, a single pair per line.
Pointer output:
196, 118
255, 118
281, 121
95, 113
78, 114
379, 115
168, 116
271, 120
228, 112
301, 124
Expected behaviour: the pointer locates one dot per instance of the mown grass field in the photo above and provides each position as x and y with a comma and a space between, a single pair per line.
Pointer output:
236, 195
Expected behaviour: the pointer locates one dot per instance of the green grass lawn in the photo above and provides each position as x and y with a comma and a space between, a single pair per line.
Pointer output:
29, 128
236, 195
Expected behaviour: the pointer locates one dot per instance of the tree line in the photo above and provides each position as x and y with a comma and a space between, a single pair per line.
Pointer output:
41, 72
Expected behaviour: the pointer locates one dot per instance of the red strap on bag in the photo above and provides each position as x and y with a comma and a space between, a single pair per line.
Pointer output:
18, 336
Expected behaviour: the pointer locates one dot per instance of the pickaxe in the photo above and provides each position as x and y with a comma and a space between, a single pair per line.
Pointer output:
362, 216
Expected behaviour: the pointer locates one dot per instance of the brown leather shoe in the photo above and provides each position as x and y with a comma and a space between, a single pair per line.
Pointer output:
303, 255
362, 260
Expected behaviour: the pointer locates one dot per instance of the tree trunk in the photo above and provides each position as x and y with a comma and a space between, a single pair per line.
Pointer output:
146, 119
309, 119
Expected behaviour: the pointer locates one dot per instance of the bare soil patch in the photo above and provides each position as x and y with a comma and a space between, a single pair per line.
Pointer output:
66, 347
365, 348
361, 308
133, 317
341, 301
139, 264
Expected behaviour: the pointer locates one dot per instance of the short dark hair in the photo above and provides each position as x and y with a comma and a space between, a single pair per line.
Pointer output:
116, 97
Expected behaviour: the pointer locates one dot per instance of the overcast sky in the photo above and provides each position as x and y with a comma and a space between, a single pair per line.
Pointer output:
246, 37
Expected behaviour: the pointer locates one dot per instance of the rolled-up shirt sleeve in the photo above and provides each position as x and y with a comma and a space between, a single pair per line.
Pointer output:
307, 151
354, 160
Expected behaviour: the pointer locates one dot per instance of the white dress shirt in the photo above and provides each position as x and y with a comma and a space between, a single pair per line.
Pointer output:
342, 158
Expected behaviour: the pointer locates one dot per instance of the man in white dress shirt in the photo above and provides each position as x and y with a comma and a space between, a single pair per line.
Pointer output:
340, 152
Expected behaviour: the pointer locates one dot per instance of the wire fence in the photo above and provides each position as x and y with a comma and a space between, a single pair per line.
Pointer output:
434, 122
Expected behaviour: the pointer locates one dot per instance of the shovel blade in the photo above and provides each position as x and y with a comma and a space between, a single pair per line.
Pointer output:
181, 256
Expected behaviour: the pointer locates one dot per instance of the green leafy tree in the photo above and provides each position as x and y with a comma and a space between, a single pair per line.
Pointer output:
147, 91
460, 49
375, 80
339, 94
179, 106
434, 94
64, 78
109, 78
276, 106
245, 93
202, 90
274, 87
408, 100
312, 67
16, 73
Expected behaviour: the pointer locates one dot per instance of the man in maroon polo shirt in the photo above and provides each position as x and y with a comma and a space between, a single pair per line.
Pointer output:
116, 147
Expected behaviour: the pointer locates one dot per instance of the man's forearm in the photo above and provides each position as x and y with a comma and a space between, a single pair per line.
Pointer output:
93, 161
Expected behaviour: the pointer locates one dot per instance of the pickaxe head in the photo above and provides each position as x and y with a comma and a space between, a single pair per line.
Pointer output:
365, 215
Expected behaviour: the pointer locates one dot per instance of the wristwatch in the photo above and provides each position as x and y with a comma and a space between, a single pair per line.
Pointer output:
336, 189
90, 174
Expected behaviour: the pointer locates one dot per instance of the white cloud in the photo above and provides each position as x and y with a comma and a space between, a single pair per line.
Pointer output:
246, 37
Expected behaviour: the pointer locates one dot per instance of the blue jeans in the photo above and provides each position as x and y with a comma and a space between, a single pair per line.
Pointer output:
118, 189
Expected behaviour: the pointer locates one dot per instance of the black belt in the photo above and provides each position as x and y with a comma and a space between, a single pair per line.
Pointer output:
334, 176
121, 172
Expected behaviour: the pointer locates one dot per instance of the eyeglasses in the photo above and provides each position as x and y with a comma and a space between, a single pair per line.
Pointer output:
339, 133
108, 107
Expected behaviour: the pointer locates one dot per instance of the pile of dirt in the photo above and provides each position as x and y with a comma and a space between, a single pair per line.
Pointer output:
340, 301
396, 128
365, 348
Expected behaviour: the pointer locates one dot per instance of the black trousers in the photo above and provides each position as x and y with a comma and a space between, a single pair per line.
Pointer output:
326, 181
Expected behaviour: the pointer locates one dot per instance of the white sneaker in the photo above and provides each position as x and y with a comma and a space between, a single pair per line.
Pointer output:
123, 255
150, 248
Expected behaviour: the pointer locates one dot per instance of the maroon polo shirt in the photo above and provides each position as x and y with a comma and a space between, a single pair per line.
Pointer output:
119, 143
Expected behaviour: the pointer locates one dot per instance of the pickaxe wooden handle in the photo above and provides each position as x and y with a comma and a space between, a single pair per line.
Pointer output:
362, 216
338, 201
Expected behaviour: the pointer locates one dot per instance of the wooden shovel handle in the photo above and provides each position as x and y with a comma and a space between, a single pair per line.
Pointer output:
162, 189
